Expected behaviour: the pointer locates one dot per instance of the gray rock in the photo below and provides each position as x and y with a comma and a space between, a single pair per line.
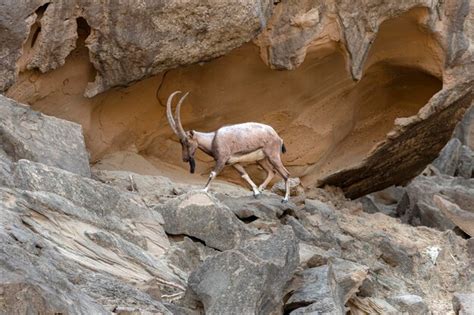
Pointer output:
448, 158
200, 215
418, 206
314, 206
300, 231
409, 304
465, 162
465, 129
26, 134
349, 276
267, 206
6, 178
463, 219
384, 201
152, 189
102, 199
318, 294
249, 279
49, 257
463, 303
395, 256
326, 289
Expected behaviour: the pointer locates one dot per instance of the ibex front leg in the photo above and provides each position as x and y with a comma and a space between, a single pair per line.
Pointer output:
246, 176
217, 169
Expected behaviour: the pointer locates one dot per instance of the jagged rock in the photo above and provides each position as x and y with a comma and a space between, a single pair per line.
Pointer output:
448, 158
312, 256
349, 277
465, 129
418, 205
5, 170
371, 305
464, 167
318, 294
463, 219
249, 279
300, 231
463, 303
395, 256
384, 201
409, 304
200, 215
26, 134
325, 289
315, 206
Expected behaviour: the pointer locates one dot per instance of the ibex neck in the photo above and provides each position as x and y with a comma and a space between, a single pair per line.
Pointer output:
204, 140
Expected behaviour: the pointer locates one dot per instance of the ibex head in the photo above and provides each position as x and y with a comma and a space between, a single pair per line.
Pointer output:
187, 139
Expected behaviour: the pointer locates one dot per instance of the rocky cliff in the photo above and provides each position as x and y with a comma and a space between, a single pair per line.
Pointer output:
98, 213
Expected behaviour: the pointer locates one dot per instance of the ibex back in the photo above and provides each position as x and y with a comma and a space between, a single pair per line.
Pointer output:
231, 145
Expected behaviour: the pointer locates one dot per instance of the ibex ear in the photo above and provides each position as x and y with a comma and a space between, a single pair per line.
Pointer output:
191, 133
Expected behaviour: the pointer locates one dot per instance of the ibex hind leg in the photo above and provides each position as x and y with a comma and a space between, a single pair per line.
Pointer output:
270, 173
275, 160
243, 173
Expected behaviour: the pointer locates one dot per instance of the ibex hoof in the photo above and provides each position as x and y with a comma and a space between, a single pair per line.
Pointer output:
284, 200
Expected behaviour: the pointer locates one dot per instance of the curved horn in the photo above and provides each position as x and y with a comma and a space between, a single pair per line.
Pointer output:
169, 113
179, 126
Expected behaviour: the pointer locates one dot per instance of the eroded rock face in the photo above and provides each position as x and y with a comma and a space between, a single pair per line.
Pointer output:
127, 42
353, 134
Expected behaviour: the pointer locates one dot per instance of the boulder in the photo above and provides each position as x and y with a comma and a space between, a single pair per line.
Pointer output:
463, 219
52, 252
465, 129
267, 206
419, 207
5, 169
26, 134
202, 216
465, 162
463, 303
249, 279
448, 158
326, 289
384, 201
409, 304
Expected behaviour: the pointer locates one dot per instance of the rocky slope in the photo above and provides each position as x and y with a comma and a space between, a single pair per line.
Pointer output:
126, 243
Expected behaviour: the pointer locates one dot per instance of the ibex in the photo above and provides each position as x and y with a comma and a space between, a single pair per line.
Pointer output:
232, 145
